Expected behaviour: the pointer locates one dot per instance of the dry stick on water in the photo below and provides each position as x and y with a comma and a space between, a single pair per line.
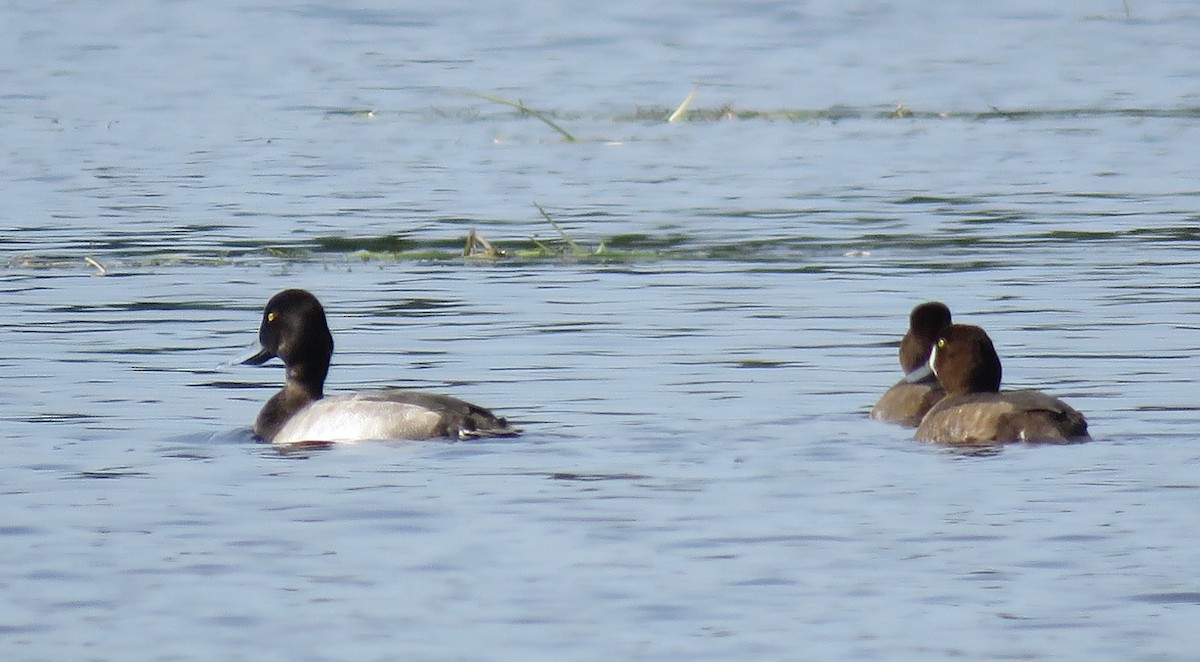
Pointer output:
100, 270
528, 111
475, 240
678, 114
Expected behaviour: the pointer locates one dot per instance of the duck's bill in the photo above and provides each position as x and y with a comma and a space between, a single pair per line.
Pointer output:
921, 375
259, 357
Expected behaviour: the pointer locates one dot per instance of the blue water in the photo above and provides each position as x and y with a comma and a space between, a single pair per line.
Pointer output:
698, 478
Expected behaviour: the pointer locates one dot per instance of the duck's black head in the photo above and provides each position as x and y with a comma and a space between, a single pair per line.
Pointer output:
294, 329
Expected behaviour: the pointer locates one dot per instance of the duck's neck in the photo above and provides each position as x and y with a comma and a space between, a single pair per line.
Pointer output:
303, 386
307, 379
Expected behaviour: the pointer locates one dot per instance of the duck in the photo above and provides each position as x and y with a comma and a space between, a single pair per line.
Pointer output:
976, 411
294, 329
907, 402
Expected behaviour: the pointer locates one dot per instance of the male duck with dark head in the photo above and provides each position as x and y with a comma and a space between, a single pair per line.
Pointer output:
295, 330
907, 402
975, 411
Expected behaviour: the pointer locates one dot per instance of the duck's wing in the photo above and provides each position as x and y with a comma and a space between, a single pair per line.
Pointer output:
461, 419
987, 418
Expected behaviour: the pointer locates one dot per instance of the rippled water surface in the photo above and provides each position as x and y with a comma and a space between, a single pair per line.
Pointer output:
691, 322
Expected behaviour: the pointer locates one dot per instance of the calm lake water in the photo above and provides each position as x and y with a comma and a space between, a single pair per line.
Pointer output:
698, 477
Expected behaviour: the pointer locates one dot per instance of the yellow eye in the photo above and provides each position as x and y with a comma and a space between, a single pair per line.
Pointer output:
941, 342
270, 317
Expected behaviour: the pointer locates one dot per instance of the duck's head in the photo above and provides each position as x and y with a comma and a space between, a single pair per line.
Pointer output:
294, 329
965, 361
924, 324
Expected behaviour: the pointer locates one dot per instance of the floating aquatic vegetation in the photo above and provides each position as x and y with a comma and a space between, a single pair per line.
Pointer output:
526, 110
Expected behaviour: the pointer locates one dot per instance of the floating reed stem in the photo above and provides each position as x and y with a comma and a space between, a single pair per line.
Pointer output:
576, 249
528, 111
678, 114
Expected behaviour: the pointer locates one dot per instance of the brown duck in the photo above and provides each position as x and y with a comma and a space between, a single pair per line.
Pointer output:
975, 411
907, 402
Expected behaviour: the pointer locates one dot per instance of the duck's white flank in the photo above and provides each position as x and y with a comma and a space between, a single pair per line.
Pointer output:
360, 417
